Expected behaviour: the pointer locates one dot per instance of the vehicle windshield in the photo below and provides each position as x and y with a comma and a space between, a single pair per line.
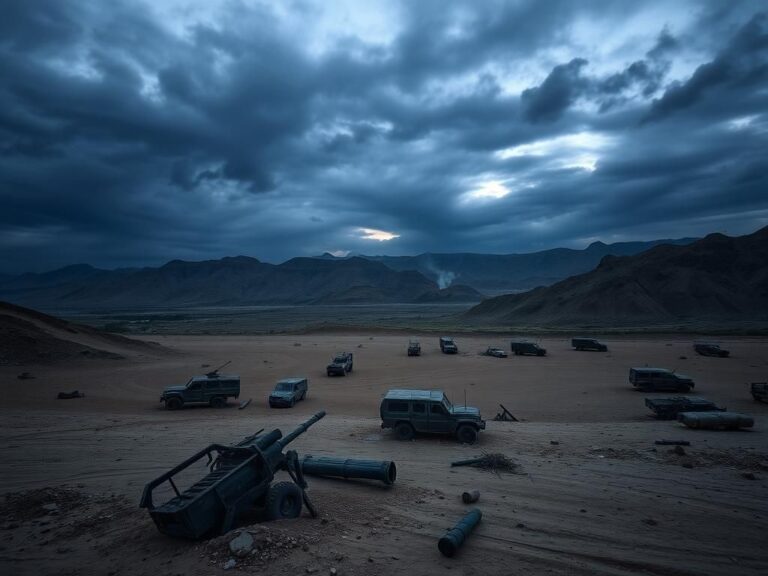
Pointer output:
447, 403
284, 387
339, 360
190, 382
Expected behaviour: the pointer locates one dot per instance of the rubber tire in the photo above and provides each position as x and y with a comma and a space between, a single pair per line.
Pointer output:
293, 403
350, 368
329, 374
466, 434
174, 403
283, 501
218, 402
404, 432
684, 389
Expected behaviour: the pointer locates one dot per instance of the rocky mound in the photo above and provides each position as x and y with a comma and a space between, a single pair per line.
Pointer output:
718, 278
31, 337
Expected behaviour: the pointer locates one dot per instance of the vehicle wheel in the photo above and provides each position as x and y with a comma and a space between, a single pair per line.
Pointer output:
684, 389
218, 402
466, 434
293, 402
283, 501
517, 352
173, 403
329, 374
350, 368
304, 395
404, 431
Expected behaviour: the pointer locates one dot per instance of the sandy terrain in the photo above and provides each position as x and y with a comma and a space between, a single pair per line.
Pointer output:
595, 495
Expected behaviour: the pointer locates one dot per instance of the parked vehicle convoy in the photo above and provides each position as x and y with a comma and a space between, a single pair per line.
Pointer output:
495, 352
409, 412
652, 379
287, 392
588, 344
414, 348
448, 346
525, 348
341, 365
669, 408
212, 389
710, 349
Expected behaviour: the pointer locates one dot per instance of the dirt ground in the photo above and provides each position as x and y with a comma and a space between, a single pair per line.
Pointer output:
594, 494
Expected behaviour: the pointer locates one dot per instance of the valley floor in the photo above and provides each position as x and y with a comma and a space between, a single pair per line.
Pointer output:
594, 494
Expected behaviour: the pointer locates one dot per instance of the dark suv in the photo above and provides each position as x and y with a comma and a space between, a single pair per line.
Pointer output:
709, 349
651, 379
287, 392
588, 344
523, 347
340, 365
429, 411
448, 346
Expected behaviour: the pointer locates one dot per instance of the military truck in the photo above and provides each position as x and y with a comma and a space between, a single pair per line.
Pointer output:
652, 379
710, 349
212, 389
287, 392
588, 344
414, 348
525, 348
341, 365
448, 346
429, 412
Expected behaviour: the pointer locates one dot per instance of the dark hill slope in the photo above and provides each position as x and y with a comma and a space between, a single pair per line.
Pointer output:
717, 278
30, 337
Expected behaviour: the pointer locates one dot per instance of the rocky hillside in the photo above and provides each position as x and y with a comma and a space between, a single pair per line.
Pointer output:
504, 273
235, 281
717, 278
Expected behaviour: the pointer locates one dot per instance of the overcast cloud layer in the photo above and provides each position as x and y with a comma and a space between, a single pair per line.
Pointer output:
132, 133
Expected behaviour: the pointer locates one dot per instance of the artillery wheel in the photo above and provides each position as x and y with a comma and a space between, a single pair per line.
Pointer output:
218, 402
283, 501
404, 431
466, 434
173, 403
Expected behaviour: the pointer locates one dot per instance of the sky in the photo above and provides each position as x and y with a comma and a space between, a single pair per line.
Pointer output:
133, 132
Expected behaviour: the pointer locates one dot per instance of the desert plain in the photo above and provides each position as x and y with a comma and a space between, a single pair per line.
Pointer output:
592, 494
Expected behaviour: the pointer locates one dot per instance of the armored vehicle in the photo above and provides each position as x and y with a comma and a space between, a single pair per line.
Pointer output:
340, 365
496, 352
414, 348
447, 345
212, 389
239, 480
716, 420
710, 349
287, 392
523, 347
669, 408
429, 411
588, 344
759, 391
651, 379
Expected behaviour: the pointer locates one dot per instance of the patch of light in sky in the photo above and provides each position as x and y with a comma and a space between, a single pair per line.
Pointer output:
378, 235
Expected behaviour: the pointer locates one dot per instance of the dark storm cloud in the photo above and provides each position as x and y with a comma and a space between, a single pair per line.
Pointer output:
128, 137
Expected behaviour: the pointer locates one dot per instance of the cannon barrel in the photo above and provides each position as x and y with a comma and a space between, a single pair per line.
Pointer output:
382, 470
455, 538
300, 429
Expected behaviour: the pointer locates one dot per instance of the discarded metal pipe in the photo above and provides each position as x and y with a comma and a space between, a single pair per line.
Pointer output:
467, 462
383, 470
469, 497
455, 538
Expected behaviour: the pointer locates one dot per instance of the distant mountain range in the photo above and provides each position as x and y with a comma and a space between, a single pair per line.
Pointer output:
234, 281
717, 278
503, 273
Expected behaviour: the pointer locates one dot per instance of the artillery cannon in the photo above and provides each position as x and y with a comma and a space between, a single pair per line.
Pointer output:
240, 479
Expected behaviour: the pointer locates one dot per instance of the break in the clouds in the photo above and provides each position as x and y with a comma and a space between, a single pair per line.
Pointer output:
136, 132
